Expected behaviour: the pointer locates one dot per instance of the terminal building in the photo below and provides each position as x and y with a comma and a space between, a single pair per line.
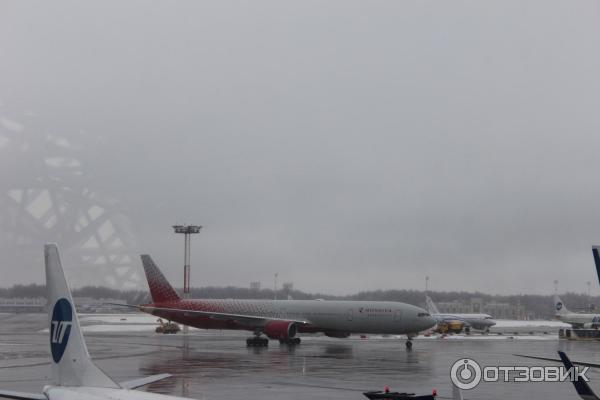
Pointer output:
38, 305
23, 305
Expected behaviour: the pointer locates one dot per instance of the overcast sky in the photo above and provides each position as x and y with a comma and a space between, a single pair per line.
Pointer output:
346, 145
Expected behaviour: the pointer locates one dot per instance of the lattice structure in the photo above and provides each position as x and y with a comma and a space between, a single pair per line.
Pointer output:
46, 194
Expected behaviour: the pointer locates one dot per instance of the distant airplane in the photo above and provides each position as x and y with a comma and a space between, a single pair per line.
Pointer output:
283, 319
481, 322
578, 320
75, 376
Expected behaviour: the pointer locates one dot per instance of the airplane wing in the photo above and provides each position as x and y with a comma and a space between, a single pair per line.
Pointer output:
583, 389
136, 383
21, 395
585, 364
222, 316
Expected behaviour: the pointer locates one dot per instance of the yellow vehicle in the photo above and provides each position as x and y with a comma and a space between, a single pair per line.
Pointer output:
450, 327
166, 328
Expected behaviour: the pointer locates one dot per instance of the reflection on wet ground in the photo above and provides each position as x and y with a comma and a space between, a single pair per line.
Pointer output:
217, 365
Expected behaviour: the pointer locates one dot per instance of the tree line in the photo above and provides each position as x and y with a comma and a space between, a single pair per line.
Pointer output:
541, 306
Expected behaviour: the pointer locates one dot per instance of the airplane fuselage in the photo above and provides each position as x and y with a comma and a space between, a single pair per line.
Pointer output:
329, 316
578, 319
476, 321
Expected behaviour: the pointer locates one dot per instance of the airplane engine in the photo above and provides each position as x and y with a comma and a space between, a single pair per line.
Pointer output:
340, 335
280, 329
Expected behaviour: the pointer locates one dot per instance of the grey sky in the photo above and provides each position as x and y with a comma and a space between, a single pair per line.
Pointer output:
348, 145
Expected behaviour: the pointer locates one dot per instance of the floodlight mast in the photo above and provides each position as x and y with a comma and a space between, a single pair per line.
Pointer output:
187, 231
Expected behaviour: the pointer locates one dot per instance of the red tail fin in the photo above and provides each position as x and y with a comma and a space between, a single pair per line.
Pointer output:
160, 289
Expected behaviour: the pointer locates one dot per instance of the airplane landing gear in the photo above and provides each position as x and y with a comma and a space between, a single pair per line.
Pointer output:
409, 338
290, 341
257, 341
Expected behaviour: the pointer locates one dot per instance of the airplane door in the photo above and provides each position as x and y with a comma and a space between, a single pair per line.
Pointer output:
397, 315
350, 315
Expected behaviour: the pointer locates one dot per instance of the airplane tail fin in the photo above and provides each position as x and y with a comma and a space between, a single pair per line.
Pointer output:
431, 307
559, 306
583, 389
160, 289
595, 250
71, 363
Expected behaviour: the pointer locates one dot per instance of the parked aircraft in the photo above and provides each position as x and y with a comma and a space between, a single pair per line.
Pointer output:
481, 322
283, 319
577, 320
75, 376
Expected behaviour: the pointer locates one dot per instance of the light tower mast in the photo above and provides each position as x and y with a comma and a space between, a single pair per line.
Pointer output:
187, 231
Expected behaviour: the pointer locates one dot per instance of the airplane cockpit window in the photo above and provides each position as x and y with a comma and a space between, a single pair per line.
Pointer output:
423, 314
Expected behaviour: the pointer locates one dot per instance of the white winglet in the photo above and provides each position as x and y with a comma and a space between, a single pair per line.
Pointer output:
71, 363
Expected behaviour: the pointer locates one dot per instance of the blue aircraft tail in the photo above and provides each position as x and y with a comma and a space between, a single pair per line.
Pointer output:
597, 260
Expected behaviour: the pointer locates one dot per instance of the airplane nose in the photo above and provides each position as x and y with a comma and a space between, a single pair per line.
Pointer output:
430, 322
425, 320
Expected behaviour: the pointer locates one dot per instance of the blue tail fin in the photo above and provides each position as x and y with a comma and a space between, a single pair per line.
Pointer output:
596, 260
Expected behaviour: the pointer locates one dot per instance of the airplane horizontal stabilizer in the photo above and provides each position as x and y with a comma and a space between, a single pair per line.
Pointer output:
21, 395
121, 305
136, 383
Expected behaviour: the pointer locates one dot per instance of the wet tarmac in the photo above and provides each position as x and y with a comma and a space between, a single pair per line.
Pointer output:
217, 365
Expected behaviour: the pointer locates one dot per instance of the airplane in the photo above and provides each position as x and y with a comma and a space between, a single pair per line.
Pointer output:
481, 322
577, 320
75, 376
282, 319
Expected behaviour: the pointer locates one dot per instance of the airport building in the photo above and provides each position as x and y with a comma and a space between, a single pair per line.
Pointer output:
23, 305
38, 305
477, 305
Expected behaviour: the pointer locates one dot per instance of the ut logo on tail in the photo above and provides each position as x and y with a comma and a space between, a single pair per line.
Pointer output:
60, 328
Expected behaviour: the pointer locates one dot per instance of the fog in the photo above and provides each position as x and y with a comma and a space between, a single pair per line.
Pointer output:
344, 145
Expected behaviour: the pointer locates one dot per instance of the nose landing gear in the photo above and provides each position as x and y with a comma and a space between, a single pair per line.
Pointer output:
409, 338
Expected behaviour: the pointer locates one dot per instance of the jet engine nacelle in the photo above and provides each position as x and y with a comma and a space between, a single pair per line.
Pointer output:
280, 329
340, 335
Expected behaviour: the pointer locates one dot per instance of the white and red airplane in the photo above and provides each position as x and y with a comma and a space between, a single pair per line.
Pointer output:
283, 319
